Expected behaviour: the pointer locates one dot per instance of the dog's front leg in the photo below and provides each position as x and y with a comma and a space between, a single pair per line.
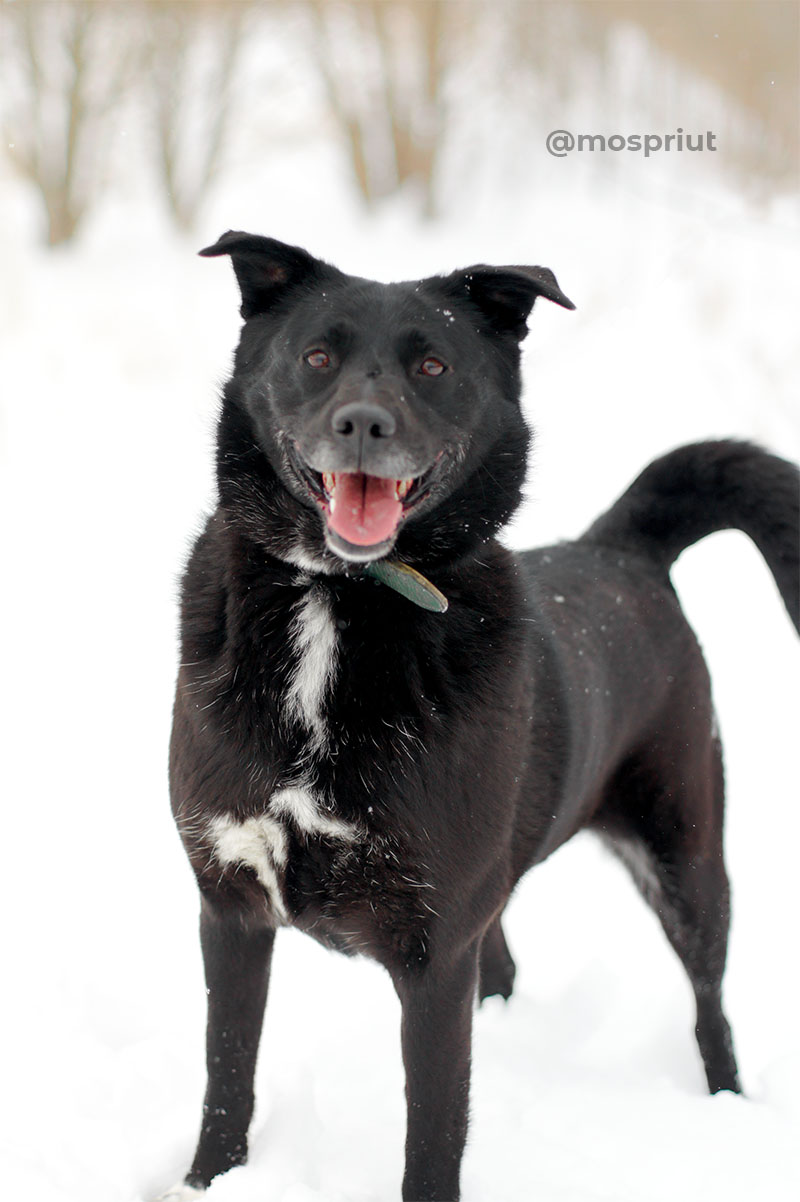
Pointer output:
436, 1036
237, 952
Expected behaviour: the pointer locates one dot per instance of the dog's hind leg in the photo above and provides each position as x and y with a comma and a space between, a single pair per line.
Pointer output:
672, 844
237, 954
692, 902
496, 967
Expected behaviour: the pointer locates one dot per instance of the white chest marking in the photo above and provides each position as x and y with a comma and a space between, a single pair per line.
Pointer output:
303, 808
260, 843
315, 644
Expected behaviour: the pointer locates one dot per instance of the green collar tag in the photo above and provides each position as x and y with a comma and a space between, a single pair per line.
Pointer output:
409, 583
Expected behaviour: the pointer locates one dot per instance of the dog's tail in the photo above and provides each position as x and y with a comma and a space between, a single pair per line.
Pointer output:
710, 486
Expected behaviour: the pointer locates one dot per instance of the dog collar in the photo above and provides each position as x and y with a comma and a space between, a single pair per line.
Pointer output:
407, 581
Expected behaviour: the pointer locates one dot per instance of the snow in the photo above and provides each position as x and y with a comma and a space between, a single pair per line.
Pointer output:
587, 1085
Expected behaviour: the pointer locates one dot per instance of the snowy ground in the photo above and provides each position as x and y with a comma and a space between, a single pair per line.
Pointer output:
587, 1085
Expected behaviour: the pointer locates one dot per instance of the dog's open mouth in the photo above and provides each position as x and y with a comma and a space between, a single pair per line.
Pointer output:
364, 511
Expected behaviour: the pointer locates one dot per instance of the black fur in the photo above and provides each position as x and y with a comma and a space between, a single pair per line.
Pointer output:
562, 690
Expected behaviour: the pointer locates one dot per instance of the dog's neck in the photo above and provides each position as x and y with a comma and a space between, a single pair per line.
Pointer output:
395, 574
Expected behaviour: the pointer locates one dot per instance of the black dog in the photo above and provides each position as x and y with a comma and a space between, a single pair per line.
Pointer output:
350, 759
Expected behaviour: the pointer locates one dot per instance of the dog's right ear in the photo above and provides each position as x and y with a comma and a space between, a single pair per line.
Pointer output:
266, 268
505, 295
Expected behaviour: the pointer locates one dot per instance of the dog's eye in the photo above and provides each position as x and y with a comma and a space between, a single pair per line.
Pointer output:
317, 359
432, 367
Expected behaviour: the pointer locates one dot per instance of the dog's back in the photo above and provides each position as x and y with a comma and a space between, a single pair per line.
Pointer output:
624, 673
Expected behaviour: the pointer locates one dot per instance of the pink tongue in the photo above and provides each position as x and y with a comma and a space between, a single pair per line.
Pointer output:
364, 510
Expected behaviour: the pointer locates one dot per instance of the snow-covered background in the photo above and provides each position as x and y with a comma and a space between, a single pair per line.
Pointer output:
587, 1086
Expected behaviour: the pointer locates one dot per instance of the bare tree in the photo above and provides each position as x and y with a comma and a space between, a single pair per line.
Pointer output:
384, 65
193, 48
65, 70
389, 70
747, 50
751, 50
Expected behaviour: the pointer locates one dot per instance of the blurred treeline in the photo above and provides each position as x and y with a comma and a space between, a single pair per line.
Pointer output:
394, 82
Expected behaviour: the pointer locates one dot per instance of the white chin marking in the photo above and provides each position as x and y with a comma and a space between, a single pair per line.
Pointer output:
181, 1193
313, 564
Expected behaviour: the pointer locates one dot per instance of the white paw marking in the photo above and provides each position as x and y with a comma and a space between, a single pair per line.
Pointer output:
181, 1193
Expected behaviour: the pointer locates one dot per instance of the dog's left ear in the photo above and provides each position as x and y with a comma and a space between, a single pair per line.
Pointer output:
505, 295
267, 269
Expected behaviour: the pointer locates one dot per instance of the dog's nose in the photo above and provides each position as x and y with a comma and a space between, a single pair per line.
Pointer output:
362, 421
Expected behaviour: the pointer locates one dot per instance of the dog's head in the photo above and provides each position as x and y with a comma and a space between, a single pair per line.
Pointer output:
363, 416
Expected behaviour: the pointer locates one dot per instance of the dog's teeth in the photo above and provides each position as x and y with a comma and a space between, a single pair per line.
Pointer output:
328, 482
403, 487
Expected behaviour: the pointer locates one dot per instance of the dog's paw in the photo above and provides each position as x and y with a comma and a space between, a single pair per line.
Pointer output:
181, 1193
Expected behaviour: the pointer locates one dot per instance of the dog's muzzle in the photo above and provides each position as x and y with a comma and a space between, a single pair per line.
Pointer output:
363, 512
